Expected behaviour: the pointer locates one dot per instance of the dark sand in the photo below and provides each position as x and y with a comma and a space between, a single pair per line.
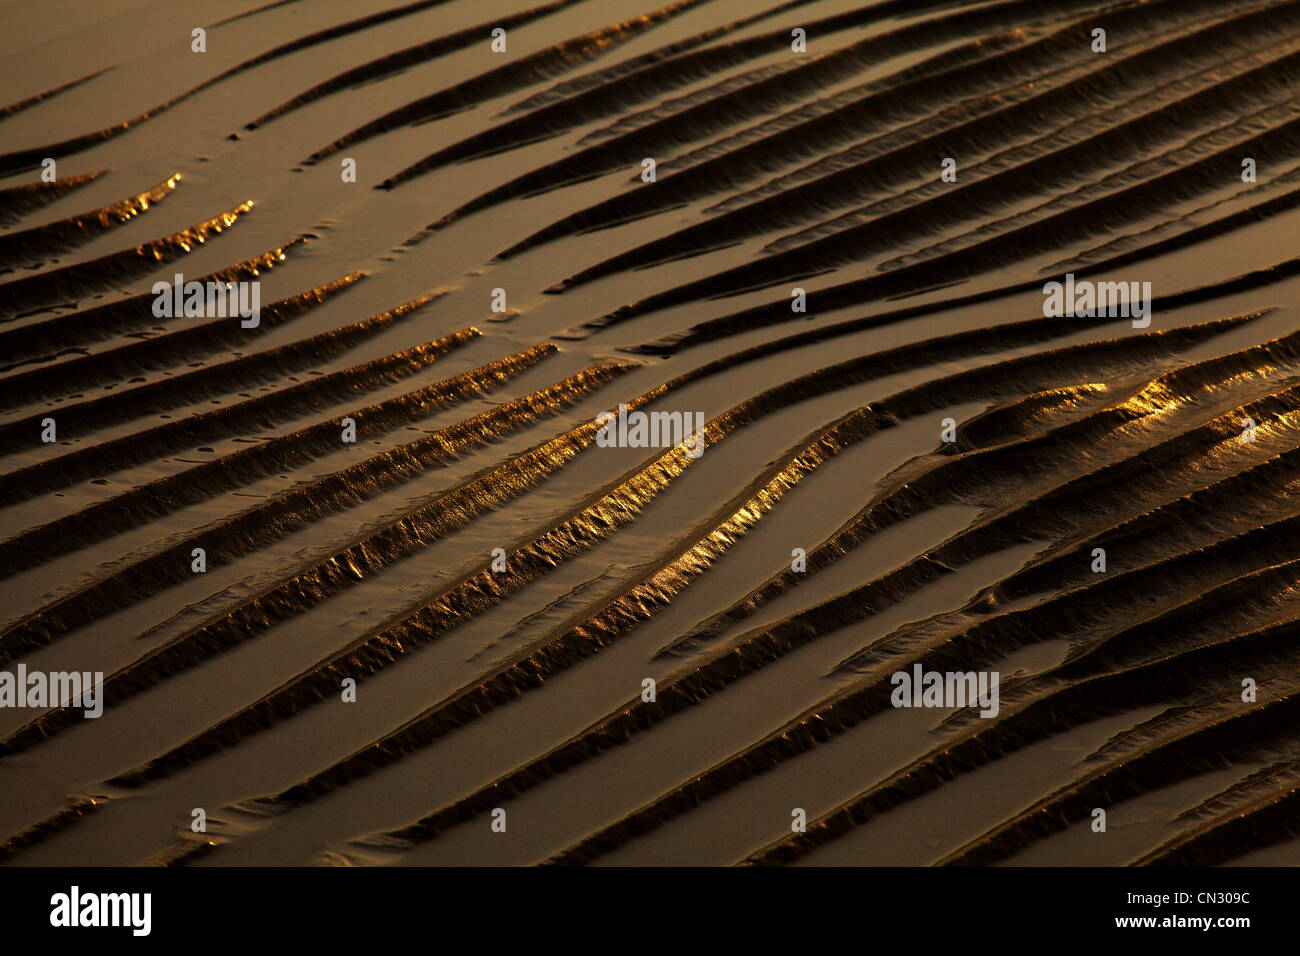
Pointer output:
522, 690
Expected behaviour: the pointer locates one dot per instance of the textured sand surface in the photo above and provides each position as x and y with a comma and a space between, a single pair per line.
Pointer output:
499, 273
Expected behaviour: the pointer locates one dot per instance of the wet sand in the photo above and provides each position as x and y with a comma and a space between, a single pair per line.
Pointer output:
917, 467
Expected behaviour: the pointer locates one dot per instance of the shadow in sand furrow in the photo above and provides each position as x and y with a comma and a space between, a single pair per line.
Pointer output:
183, 346
28, 158
984, 475
39, 832
33, 246
995, 104
638, 603
1216, 734
1203, 631
761, 495
1055, 450
802, 78
338, 572
728, 167
283, 404
759, 648
1248, 788
676, 694
1144, 30
984, 49
1205, 41
983, 340
1123, 249
673, 696
1178, 636
1269, 819
29, 102
851, 706
66, 333
620, 90
1210, 736
515, 75
365, 557
1070, 203
1181, 525
528, 668
935, 206
260, 524
607, 75
1184, 524
254, 11
315, 38
735, 324
393, 63
1015, 419
73, 282
17, 201
182, 853
732, 82
225, 378
1218, 171
1198, 444
855, 293
976, 633
1279, 610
